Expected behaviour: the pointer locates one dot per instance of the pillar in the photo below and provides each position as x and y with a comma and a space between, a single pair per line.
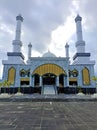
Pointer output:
80, 44
40, 81
30, 80
67, 50
29, 50
17, 42
67, 79
33, 78
64, 81
19, 19
57, 81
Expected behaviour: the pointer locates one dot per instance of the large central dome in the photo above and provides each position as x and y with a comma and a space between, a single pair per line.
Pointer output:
48, 54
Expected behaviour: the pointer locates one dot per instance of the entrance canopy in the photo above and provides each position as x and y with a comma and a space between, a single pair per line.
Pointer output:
49, 68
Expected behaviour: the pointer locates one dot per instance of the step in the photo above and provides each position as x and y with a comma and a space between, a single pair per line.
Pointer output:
49, 89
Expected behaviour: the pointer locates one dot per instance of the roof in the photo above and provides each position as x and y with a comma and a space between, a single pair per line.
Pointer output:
48, 54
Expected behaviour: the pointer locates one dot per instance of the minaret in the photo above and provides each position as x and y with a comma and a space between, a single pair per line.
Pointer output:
16, 56
67, 50
17, 42
80, 44
29, 50
80, 57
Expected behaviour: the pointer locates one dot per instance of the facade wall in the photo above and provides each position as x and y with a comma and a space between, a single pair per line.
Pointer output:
58, 61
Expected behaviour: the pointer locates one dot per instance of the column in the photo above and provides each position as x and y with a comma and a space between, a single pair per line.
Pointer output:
67, 50
64, 81
17, 44
78, 20
33, 78
80, 44
29, 50
80, 79
67, 83
57, 81
19, 19
40, 83
30, 80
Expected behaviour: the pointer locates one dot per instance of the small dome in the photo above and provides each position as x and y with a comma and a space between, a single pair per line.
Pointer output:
78, 18
48, 54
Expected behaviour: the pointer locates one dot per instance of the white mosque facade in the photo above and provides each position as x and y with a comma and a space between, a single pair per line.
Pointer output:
49, 74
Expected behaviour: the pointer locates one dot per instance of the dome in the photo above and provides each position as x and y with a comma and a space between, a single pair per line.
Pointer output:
48, 54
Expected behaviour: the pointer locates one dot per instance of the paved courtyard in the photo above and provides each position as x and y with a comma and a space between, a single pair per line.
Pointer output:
48, 115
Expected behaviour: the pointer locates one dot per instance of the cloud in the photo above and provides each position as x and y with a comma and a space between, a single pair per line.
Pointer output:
44, 17
40, 18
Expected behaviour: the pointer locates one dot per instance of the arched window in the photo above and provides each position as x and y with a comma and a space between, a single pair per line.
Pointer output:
86, 76
11, 75
22, 73
74, 73
28, 73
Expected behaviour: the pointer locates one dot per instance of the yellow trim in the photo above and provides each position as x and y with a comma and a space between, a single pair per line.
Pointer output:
25, 79
22, 71
74, 71
49, 68
86, 76
72, 79
11, 75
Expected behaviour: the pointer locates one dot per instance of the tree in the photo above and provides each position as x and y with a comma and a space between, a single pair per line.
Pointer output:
6, 84
94, 78
0, 86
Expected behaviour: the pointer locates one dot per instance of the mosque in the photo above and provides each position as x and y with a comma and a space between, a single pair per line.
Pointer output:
49, 74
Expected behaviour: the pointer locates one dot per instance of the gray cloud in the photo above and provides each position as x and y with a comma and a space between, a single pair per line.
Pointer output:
40, 18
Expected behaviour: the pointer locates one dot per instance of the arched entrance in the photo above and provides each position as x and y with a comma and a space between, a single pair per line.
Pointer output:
36, 81
49, 79
61, 80
49, 82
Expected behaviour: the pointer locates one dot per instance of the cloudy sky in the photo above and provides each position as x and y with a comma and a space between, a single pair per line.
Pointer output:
48, 25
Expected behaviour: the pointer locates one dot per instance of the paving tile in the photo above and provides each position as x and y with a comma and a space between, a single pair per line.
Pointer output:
48, 116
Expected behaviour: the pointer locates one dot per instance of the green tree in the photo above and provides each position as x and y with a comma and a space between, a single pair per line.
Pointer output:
79, 89
6, 84
0, 86
94, 78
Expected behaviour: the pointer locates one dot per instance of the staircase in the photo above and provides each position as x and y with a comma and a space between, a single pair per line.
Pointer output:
49, 90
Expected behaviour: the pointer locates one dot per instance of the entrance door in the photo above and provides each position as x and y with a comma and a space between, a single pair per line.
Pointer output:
49, 84
49, 79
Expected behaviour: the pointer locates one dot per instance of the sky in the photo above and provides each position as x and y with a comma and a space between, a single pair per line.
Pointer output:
48, 25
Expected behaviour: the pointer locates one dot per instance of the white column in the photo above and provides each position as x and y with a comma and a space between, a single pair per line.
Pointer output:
64, 81
80, 44
78, 20
67, 50
29, 50
33, 78
17, 43
57, 81
67, 79
19, 19
30, 80
40, 81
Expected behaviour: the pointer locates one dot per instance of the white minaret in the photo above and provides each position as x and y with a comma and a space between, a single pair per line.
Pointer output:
67, 50
17, 42
80, 44
29, 50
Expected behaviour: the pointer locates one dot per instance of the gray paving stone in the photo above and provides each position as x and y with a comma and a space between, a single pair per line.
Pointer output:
48, 115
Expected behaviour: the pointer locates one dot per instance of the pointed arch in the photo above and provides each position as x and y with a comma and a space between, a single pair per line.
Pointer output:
22, 73
11, 75
86, 76
49, 68
75, 73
